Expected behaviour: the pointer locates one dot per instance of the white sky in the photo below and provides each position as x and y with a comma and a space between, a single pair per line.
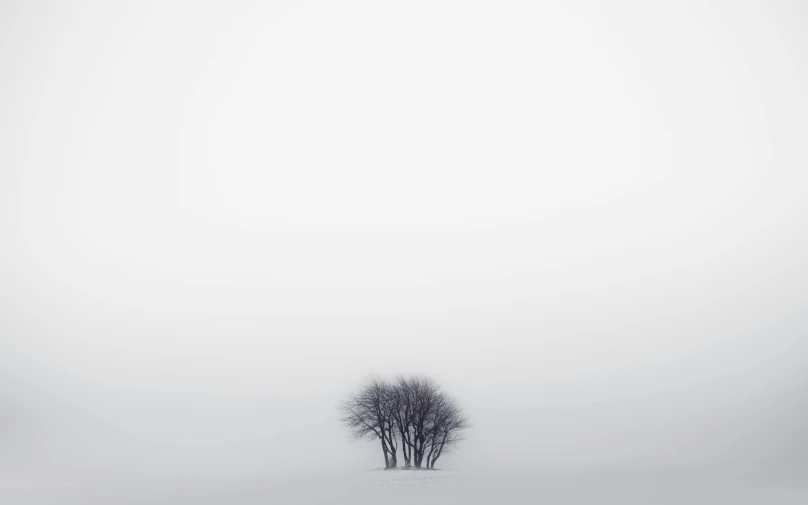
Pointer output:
217, 217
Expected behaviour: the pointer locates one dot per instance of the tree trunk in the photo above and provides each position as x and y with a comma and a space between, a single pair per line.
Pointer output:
385, 451
419, 457
429, 456
404, 448
440, 450
391, 446
393, 457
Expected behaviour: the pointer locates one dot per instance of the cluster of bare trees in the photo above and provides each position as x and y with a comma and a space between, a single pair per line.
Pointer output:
410, 413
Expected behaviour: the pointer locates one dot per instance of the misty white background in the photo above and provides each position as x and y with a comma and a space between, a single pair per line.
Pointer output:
585, 219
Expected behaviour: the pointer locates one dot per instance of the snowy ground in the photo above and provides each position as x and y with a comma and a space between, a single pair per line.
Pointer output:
422, 487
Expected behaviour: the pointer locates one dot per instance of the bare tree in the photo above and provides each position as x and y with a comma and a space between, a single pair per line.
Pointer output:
423, 393
445, 428
411, 412
401, 404
367, 415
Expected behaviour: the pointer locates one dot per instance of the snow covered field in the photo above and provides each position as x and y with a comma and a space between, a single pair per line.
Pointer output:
430, 487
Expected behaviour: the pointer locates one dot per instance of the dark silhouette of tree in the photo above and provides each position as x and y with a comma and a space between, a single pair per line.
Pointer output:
401, 403
367, 415
445, 428
411, 412
423, 394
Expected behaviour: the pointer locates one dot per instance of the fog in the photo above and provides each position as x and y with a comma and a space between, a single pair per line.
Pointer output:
586, 220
